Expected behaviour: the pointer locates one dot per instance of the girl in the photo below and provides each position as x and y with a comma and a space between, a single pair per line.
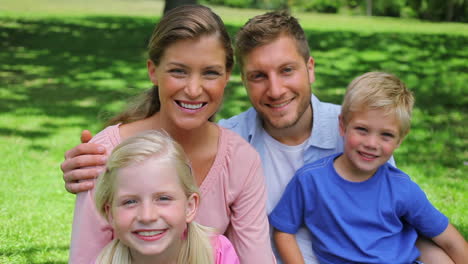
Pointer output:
150, 198
190, 61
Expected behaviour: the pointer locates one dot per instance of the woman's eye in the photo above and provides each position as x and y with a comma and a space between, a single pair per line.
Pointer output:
177, 72
212, 74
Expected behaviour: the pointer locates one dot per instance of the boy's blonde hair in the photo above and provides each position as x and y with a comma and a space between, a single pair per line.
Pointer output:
196, 248
379, 90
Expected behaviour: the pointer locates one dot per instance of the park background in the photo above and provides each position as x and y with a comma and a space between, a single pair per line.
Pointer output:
67, 65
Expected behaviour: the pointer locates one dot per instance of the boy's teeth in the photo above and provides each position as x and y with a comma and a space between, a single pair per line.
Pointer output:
191, 106
150, 233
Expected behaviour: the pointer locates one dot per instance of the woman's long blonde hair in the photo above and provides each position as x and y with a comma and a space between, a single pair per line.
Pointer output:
196, 248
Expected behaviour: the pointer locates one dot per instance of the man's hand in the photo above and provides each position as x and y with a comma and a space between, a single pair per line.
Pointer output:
79, 162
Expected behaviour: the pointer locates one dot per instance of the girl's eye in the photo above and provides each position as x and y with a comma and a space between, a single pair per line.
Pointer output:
212, 74
129, 202
164, 198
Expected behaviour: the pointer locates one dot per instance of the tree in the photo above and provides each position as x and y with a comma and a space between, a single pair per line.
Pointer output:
170, 4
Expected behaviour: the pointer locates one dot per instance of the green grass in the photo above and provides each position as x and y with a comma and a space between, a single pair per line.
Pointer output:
63, 64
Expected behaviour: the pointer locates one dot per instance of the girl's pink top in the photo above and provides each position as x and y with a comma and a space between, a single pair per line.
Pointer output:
233, 202
224, 252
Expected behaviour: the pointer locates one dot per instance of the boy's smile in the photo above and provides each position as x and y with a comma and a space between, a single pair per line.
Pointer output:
370, 138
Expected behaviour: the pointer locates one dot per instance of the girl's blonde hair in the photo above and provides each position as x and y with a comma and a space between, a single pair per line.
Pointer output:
180, 23
196, 248
379, 90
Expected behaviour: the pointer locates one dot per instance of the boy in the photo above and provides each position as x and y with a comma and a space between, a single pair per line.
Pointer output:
358, 207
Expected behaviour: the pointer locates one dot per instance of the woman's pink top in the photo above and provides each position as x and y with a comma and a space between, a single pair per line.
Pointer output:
233, 199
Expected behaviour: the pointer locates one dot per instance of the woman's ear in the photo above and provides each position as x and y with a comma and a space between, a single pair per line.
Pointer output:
152, 71
191, 210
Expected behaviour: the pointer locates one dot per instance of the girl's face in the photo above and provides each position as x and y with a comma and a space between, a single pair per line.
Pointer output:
191, 76
150, 210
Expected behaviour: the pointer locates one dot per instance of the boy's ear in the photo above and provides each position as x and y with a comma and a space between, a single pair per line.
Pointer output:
342, 125
152, 71
191, 210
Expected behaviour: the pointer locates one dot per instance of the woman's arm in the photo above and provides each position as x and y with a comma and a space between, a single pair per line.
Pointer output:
249, 228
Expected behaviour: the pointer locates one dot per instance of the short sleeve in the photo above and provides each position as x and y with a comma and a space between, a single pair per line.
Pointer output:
288, 214
421, 214
224, 251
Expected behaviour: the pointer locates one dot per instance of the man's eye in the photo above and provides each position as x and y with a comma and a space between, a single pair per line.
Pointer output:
287, 70
256, 76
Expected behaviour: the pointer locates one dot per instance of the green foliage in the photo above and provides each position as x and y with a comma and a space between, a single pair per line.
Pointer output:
59, 73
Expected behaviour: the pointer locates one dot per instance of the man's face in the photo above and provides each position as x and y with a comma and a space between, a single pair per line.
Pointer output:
278, 82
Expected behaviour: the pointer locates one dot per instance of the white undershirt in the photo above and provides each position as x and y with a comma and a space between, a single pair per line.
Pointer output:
280, 164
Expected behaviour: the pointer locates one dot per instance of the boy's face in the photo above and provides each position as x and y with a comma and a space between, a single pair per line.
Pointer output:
370, 138
278, 82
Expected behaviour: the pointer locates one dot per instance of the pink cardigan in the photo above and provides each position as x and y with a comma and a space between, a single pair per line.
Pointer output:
233, 199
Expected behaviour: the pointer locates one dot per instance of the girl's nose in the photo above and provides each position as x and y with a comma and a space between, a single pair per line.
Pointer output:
148, 213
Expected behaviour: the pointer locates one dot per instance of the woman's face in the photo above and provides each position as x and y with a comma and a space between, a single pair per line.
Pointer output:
191, 77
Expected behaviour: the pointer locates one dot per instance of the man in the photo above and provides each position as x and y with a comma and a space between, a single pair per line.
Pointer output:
287, 125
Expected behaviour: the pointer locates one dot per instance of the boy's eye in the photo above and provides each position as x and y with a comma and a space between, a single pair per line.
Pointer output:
361, 129
388, 135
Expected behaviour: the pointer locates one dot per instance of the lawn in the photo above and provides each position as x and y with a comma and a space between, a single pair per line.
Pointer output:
67, 65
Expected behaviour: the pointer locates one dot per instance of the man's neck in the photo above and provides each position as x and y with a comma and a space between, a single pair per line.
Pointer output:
295, 134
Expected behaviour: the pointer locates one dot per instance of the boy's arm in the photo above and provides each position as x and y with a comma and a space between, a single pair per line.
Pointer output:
287, 247
453, 243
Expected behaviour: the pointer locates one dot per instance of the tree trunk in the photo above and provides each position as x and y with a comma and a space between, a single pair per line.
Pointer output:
369, 7
170, 4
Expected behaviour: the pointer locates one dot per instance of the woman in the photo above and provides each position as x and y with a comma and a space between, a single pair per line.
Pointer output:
190, 61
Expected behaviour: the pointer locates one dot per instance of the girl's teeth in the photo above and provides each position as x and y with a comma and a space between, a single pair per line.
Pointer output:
150, 233
191, 106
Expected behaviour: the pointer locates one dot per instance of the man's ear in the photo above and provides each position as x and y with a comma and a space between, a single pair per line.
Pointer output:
152, 71
311, 69
193, 202
342, 125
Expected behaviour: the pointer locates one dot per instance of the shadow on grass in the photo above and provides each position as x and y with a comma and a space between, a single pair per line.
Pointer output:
75, 69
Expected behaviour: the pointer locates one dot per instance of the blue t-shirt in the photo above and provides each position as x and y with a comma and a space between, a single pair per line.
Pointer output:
374, 221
